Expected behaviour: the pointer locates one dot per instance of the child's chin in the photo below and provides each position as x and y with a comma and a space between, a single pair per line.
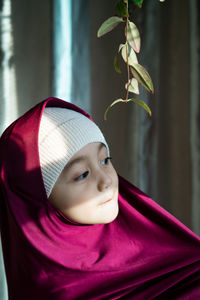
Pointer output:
111, 217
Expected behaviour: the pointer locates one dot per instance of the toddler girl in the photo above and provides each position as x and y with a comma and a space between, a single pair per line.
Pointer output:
72, 228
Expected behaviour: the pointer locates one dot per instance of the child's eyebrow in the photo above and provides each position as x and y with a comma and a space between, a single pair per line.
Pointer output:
81, 158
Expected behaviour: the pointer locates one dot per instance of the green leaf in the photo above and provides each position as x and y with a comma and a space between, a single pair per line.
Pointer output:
120, 47
109, 25
132, 58
137, 101
142, 104
116, 63
133, 37
136, 2
121, 9
142, 76
133, 86
113, 103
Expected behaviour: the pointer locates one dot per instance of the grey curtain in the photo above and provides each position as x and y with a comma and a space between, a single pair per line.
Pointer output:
160, 154
25, 66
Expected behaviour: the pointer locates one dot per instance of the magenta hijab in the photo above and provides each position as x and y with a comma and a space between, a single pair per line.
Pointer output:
145, 253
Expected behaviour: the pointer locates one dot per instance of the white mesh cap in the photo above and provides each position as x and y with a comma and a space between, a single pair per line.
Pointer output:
62, 133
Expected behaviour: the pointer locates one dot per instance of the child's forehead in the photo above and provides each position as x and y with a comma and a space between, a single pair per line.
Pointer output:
86, 152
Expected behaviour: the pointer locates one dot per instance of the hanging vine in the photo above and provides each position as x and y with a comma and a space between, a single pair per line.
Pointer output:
128, 52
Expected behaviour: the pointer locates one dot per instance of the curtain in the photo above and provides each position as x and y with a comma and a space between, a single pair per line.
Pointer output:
9, 108
194, 125
81, 78
61, 49
159, 154
25, 65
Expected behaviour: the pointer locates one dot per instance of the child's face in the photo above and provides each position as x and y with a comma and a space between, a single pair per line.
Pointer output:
82, 188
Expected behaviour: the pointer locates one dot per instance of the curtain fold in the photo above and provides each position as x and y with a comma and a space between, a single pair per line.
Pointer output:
174, 184
81, 80
9, 108
61, 49
3, 283
195, 112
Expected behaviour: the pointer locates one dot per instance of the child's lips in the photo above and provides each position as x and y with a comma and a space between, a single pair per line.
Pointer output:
109, 199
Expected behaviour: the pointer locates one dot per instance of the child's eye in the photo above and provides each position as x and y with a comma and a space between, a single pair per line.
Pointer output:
106, 160
82, 176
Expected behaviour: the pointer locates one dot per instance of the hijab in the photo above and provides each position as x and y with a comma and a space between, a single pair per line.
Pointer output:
145, 253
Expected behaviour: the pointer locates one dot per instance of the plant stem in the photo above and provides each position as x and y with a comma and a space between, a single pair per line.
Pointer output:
128, 73
128, 70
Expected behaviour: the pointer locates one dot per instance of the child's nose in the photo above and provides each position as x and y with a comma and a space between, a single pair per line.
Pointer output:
104, 180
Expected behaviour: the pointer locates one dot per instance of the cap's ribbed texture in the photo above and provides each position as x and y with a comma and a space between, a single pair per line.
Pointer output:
62, 133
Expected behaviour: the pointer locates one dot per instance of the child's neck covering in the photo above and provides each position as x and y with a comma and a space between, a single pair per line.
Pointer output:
145, 253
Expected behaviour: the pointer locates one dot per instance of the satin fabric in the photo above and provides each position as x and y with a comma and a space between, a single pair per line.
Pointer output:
145, 253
